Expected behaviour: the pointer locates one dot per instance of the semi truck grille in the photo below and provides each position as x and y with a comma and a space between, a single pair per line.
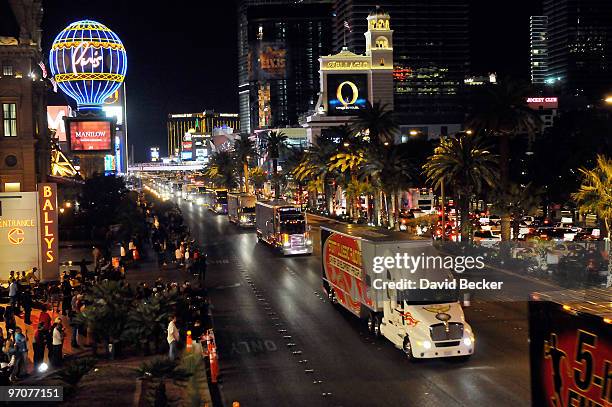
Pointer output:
442, 332
447, 344
297, 240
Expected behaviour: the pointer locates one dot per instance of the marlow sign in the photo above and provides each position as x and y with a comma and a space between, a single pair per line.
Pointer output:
28, 232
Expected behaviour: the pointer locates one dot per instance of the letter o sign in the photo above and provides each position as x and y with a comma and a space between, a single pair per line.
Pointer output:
354, 93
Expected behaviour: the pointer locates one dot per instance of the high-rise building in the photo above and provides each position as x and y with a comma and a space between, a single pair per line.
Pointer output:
279, 44
580, 46
431, 56
24, 156
538, 46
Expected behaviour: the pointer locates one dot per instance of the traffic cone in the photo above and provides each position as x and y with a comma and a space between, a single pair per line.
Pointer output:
235, 404
189, 341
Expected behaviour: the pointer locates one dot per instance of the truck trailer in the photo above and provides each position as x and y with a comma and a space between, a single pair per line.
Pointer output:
570, 344
241, 209
283, 226
357, 275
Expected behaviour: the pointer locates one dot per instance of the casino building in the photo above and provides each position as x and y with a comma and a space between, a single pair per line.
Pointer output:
349, 81
24, 156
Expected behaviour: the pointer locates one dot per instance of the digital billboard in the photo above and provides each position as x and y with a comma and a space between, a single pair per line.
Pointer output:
55, 120
346, 94
268, 61
90, 135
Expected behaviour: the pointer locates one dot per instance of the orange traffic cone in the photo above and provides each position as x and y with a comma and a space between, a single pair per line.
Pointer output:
189, 341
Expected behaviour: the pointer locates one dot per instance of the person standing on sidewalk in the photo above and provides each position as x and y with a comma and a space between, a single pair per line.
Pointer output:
26, 300
13, 295
45, 319
58, 343
21, 352
38, 345
173, 337
178, 254
66, 294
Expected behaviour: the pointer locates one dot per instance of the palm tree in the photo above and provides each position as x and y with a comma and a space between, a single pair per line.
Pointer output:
391, 172
595, 196
258, 176
501, 110
314, 165
244, 150
376, 120
275, 141
221, 170
514, 202
465, 163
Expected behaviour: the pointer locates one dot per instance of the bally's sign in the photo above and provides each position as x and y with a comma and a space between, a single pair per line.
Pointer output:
346, 94
29, 232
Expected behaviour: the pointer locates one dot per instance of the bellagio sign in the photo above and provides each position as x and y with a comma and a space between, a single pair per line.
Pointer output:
29, 232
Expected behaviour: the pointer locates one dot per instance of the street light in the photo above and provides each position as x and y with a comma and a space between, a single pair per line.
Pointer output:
413, 132
346, 144
608, 100
468, 132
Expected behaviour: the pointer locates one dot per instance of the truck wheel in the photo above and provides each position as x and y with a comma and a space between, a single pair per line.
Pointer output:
408, 349
332, 297
374, 325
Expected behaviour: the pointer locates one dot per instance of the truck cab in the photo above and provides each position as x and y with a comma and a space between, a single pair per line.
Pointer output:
283, 226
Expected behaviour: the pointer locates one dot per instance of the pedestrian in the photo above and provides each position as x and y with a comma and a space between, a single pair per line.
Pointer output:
9, 320
187, 259
66, 294
96, 254
58, 343
38, 345
178, 254
11, 276
173, 337
20, 352
13, 295
45, 319
26, 300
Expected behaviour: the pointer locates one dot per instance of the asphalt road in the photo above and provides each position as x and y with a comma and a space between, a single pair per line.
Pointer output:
282, 344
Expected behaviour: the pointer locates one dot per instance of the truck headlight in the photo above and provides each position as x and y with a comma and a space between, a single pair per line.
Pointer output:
308, 242
427, 344
199, 201
287, 244
467, 341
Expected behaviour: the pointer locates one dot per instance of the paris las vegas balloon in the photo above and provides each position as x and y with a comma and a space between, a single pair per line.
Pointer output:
88, 61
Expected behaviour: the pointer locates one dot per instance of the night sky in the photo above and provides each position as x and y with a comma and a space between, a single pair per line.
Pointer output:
182, 56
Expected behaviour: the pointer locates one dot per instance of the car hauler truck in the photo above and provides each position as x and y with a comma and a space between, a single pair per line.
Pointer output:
241, 209
427, 323
283, 226
570, 343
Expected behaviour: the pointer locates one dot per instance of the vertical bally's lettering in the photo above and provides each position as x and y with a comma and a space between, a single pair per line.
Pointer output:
49, 229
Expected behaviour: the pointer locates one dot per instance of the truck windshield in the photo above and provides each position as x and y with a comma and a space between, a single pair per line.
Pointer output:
423, 297
292, 223
221, 197
248, 210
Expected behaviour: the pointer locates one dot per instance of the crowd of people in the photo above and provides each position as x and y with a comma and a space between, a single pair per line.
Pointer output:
65, 299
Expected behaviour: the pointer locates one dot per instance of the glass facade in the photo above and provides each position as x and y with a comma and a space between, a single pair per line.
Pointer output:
280, 43
579, 46
430, 48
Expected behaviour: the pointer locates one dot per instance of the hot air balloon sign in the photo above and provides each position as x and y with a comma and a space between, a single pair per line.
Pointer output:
88, 61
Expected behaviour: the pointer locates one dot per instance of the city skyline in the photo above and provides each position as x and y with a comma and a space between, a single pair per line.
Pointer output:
201, 57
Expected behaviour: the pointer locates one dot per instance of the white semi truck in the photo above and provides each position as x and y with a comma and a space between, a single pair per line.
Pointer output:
360, 273
283, 225
241, 209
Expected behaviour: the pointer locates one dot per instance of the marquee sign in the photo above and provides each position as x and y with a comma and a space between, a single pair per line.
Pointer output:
88, 61
29, 232
346, 94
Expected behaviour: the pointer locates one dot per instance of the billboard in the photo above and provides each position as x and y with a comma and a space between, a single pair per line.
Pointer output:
268, 60
346, 94
570, 356
49, 231
55, 120
536, 103
90, 135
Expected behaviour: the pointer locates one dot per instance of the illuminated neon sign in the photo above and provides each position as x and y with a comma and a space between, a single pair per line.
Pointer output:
47, 198
88, 61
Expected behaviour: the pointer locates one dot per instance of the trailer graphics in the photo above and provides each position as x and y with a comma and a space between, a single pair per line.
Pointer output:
571, 352
425, 323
